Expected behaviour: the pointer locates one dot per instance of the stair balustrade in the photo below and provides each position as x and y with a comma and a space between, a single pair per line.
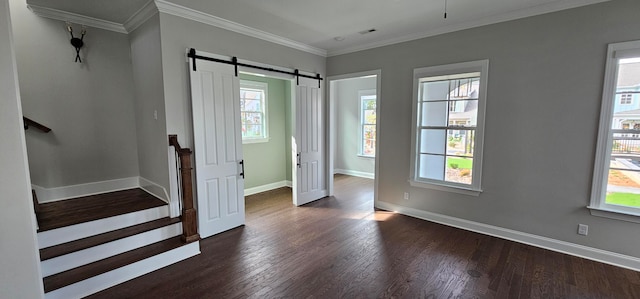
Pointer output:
189, 220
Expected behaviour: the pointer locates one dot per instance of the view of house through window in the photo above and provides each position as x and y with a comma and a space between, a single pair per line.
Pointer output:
447, 115
623, 179
253, 114
368, 124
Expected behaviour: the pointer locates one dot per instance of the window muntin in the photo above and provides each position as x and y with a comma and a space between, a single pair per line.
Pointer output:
616, 186
253, 111
367, 130
449, 106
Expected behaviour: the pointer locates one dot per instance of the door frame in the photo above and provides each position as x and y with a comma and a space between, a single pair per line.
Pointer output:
332, 130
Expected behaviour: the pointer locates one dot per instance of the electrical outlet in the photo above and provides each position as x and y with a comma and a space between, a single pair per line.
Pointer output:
583, 229
406, 196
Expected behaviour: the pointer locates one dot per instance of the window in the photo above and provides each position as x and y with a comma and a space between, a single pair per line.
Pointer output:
625, 98
448, 117
253, 111
616, 181
367, 123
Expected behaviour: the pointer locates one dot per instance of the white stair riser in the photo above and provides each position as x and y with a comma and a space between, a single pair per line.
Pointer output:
96, 253
74, 232
106, 280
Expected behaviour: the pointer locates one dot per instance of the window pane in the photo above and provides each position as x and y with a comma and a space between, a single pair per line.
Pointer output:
435, 91
460, 142
252, 118
459, 170
432, 141
464, 88
434, 114
463, 113
623, 186
369, 117
369, 147
253, 105
252, 131
431, 167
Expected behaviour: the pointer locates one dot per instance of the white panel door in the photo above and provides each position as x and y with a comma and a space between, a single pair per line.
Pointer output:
309, 145
215, 99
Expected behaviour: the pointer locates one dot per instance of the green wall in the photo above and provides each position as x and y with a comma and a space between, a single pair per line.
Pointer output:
268, 162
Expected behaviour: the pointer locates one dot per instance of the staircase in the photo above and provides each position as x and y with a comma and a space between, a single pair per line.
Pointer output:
91, 243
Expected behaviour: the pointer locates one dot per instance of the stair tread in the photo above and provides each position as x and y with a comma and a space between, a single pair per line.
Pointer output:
65, 248
89, 208
72, 276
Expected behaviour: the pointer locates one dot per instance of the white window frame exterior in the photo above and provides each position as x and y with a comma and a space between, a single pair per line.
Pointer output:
450, 71
598, 206
263, 87
361, 98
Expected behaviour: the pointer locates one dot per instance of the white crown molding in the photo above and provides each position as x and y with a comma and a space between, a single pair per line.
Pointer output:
191, 14
499, 18
66, 16
140, 16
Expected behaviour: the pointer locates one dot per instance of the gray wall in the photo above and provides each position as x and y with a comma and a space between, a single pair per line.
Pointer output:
347, 116
88, 106
545, 86
265, 162
178, 34
152, 141
19, 262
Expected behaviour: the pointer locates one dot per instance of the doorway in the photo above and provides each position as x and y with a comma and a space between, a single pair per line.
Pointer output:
354, 104
218, 136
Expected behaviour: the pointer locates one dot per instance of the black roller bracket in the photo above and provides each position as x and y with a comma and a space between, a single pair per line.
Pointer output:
192, 54
297, 74
235, 63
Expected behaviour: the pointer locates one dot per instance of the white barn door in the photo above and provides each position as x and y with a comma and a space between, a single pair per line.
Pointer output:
215, 100
309, 146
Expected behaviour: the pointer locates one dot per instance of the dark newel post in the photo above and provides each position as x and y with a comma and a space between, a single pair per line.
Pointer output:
189, 217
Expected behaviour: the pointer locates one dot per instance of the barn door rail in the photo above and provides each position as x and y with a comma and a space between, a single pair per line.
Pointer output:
234, 61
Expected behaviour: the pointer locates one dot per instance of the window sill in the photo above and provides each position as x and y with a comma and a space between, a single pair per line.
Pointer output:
460, 190
365, 156
614, 214
256, 140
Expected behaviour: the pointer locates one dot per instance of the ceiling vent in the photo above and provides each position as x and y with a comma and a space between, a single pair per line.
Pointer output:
368, 31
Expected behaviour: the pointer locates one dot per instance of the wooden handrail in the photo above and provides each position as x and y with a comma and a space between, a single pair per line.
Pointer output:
189, 217
31, 123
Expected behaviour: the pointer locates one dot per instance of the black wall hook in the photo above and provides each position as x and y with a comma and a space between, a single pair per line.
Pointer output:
77, 42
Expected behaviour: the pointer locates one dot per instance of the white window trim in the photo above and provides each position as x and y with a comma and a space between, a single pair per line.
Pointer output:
598, 206
362, 93
263, 86
481, 66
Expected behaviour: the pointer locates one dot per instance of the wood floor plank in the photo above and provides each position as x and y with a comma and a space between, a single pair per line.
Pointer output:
88, 208
340, 247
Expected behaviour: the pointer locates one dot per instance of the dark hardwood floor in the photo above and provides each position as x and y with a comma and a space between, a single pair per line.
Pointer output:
88, 208
339, 247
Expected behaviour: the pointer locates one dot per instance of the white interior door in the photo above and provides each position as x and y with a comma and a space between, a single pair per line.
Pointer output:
215, 99
309, 146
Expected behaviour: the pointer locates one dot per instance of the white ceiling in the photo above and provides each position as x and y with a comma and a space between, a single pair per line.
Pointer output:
317, 23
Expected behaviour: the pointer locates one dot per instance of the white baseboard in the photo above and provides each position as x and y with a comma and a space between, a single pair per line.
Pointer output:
106, 280
46, 195
78, 231
89, 255
361, 174
65, 192
267, 187
590, 253
153, 189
